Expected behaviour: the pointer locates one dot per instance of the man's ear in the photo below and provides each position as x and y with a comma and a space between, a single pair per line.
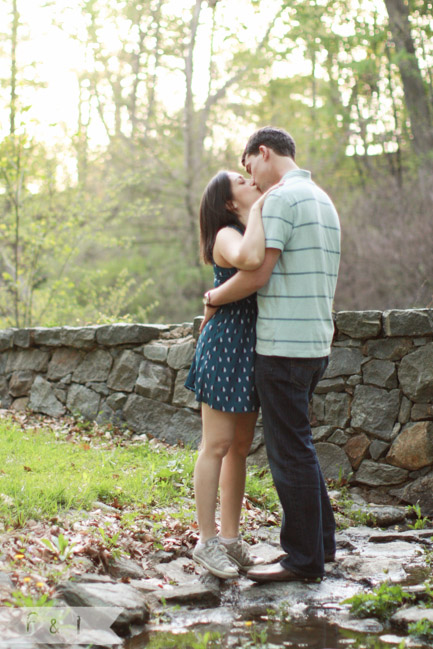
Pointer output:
264, 150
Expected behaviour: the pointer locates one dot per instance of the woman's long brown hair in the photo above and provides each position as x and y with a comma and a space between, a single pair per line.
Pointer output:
215, 213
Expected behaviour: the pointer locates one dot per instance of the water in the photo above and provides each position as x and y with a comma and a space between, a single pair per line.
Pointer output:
311, 633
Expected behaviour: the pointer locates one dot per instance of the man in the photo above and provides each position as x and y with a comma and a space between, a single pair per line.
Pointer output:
296, 286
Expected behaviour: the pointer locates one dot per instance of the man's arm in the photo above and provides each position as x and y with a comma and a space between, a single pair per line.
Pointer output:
244, 283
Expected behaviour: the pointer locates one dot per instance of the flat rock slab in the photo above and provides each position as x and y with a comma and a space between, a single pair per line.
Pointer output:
135, 607
412, 614
180, 571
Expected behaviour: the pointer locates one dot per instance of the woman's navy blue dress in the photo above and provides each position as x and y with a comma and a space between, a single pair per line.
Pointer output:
222, 371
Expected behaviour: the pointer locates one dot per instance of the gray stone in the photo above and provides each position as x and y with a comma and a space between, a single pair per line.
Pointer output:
416, 374
378, 448
125, 371
337, 409
83, 401
61, 395
99, 387
21, 382
391, 349
179, 571
188, 593
420, 491
123, 333
354, 380
418, 342
42, 399
154, 381
5, 399
321, 433
344, 362
380, 373
375, 475
20, 405
117, 400
359, 324
405, 410
23, 337
6, 339
156, 352
413, 448
107, 415
412, 615
258, 458
375, 411
180, 355
162, 420
3, 362
95, 366
122, 567
32, 359
182, 396
422, 411
330, 385
333, 461
196, 326
317, 408
79, 337
63, 362
49, 336
339, 437
258, 438
134, 605
410, 322
345, 341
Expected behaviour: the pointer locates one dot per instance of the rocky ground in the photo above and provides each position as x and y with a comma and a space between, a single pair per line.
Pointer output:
166, 592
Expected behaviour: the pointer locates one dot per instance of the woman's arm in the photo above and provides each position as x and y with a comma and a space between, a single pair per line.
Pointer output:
247, 251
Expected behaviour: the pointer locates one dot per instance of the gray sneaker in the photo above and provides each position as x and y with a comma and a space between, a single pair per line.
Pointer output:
213, 556
240, 553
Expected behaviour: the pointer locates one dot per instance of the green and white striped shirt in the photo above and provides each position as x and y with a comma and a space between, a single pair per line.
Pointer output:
295, 306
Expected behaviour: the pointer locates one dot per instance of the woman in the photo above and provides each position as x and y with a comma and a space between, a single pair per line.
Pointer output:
222, 373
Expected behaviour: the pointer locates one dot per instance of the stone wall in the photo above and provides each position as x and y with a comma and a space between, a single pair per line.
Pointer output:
372, 412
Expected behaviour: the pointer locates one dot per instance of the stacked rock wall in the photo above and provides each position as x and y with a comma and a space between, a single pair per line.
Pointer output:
129, 375
372, 413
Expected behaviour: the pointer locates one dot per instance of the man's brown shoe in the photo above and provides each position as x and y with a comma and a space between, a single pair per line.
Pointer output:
330, 558
276, 572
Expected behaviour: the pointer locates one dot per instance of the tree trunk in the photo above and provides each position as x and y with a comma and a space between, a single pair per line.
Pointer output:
416, 98
14, 40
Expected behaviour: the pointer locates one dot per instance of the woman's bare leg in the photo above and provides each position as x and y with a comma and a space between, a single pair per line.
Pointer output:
233, 474
219, 430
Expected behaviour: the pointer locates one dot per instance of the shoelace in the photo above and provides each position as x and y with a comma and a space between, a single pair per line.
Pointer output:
217, 551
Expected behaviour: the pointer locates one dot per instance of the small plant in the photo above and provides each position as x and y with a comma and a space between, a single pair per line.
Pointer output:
28, 601
60, 546
381, 603
421, 521
422, 630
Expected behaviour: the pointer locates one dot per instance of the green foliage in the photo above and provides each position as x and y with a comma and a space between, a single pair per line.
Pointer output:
21, 600
421, 521
189, 640
60, 546
382, 602
43, 475
422, 630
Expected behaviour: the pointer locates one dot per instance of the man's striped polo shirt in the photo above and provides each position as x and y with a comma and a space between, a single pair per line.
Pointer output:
295, 306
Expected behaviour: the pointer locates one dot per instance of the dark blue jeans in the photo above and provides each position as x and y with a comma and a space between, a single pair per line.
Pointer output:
285, 387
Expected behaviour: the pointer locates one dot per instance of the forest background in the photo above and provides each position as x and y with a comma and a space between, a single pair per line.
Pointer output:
99, 208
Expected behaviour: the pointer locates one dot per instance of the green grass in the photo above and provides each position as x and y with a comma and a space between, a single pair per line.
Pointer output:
42, 475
